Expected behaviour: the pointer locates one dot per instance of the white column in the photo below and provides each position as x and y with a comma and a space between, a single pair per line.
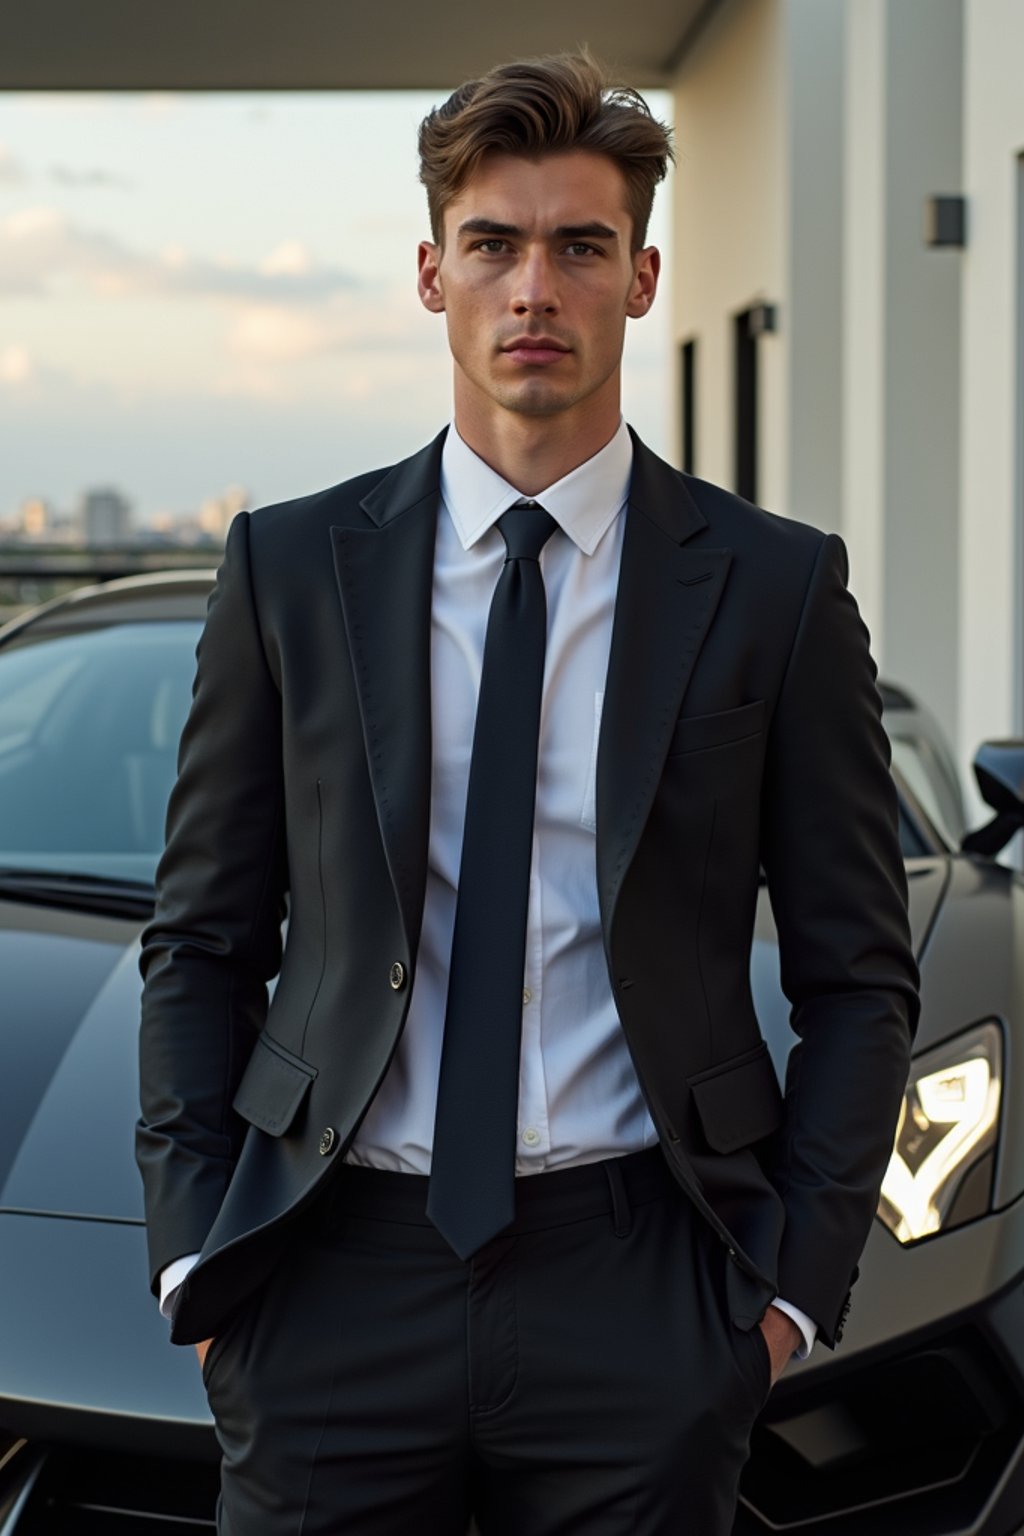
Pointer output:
901, 339
863, 472
990, 662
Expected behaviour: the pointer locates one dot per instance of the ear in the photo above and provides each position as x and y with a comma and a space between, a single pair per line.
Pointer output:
646, 268
428, 282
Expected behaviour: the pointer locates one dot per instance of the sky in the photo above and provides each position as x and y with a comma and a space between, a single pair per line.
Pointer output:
204, 290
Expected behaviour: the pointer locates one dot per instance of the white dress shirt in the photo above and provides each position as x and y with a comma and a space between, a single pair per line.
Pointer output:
579, 1097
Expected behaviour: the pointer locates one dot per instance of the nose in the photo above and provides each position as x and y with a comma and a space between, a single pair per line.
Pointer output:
535, 289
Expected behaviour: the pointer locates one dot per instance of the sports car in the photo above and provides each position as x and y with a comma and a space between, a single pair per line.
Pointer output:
914, 1425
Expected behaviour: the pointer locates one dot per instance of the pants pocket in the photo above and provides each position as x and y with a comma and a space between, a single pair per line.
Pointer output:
216, 1348
243, 1314
751, 1347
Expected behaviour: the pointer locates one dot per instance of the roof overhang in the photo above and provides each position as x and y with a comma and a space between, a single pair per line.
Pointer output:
250, 45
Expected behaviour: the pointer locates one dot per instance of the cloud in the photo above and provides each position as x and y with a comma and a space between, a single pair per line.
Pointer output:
356, 347
68, 103
15, 364
160, 103
275, 334
67, 176
40, 247
290, 257
379, 318
22, 374
12, 172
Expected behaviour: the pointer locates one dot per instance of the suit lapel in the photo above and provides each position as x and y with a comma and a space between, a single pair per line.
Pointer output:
667, 597
384, 571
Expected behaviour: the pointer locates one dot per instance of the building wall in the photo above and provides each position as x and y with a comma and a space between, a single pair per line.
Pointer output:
992, 403
813, 316
901, 338
758, 216
863, 330
922, 353
729, 239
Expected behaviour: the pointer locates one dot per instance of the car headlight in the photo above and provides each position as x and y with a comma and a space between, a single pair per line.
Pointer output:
947, 1131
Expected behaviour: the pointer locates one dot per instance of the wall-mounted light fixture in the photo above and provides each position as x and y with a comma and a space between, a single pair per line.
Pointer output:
762, 319
945, 221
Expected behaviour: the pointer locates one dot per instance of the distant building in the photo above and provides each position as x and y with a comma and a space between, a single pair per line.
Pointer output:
217, 512
106, 517
35, 518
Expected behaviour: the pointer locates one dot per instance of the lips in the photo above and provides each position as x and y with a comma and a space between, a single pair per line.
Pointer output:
535, 349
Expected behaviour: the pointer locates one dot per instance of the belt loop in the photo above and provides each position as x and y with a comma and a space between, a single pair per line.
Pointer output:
621, 1217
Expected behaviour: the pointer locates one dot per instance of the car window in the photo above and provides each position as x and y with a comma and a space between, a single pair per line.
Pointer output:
916, 759
31, 683
89, 729
912, 843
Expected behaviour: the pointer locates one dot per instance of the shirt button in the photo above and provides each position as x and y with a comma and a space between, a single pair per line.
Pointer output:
527, 995
531, 1136
397, 977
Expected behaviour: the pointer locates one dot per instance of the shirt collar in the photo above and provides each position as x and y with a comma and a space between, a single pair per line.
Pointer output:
584, 503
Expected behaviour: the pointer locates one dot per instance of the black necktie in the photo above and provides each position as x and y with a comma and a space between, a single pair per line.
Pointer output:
471, 1196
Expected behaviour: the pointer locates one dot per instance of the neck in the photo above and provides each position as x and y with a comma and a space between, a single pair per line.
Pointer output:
532, 452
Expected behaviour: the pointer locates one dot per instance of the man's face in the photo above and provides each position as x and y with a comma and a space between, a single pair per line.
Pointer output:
536, 279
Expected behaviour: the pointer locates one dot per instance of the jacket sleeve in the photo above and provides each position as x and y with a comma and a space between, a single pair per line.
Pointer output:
837, 884
215, 938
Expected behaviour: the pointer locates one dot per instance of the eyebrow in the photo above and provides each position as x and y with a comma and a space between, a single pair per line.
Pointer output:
592, 231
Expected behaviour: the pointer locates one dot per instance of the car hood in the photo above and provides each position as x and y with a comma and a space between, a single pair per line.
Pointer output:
69, 1095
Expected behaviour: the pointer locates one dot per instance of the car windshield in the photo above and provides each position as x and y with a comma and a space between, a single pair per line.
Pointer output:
89, 728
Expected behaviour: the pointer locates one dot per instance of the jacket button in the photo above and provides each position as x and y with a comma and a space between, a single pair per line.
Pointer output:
327, 1141
397, 977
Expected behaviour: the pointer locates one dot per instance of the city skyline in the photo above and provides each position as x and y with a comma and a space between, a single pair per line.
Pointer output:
38, 519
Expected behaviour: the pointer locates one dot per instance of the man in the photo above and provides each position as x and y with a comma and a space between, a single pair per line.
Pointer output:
500, 1210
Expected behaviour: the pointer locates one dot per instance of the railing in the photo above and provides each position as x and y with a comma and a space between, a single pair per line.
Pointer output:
33, 576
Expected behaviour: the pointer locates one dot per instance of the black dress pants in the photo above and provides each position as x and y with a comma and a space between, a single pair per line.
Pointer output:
579, 1376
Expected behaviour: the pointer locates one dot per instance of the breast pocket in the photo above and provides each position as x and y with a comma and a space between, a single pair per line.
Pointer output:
706, 733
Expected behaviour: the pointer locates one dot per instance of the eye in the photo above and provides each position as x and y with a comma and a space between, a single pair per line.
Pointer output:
492, 247
581, 248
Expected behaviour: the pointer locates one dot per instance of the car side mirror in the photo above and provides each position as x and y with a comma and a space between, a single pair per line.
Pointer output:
999, 770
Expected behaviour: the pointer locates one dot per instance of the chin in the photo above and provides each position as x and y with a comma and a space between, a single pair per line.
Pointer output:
536, 397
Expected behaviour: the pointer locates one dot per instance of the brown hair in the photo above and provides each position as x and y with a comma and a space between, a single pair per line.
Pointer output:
542, 106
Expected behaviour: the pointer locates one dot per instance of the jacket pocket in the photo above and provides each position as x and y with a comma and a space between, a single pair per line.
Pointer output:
695, 733
739, 1101
273, 1085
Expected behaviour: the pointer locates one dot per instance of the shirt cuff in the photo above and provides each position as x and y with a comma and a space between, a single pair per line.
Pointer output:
808, 1328
171, 1278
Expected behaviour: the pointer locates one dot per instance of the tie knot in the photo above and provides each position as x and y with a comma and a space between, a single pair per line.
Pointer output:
526, 528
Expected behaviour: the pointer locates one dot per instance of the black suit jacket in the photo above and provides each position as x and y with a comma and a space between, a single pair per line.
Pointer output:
741, 727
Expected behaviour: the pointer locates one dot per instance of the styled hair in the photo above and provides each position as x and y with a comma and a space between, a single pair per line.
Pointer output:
543, 106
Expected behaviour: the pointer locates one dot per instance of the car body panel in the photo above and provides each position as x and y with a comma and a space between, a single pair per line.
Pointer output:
86, 1357
86, 1112
53, 963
